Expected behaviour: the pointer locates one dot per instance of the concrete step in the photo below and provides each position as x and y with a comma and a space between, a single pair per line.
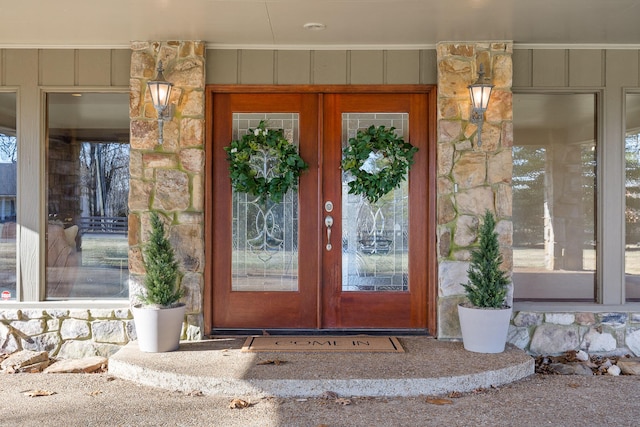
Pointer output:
219, 367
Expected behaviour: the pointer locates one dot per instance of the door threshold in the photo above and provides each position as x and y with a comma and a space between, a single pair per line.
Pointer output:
217, 332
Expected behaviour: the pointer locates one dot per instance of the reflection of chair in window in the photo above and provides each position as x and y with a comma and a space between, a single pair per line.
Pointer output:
62, 260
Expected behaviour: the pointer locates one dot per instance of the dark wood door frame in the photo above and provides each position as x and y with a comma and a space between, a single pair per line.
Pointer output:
429, 246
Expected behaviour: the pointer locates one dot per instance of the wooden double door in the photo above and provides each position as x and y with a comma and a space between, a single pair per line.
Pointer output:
323, 258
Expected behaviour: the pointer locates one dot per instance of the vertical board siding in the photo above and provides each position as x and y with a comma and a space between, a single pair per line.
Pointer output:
522, 67
428, 67
586, 68
366, 67
57, 67
94, 67
321, 67
221, 66
293, 67
257, 67
621, 68
120, 66
402, 67
329, 67
549, 67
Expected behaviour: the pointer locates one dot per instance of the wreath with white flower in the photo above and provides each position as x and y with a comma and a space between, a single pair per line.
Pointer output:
264, 164
378, 160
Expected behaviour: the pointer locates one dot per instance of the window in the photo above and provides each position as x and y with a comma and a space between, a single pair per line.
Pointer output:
632, 197
87, 193
8, 194
554, 196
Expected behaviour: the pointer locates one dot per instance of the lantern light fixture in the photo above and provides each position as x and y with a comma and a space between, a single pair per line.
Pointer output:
160, 90
480, 92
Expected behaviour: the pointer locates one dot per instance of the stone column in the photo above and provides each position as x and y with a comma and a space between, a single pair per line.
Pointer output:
471, 179
169, 178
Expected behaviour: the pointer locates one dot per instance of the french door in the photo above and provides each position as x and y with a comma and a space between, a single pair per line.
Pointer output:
322, 258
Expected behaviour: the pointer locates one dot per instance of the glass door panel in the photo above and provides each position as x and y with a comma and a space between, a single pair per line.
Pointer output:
265, 234
375, 249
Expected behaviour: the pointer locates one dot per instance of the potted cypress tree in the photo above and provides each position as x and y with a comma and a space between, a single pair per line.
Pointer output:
159, 318
484, 320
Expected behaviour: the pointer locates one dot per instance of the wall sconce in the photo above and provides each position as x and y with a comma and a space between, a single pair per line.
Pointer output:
160, 90
480, 93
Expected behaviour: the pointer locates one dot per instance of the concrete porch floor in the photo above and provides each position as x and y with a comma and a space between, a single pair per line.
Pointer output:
218, 367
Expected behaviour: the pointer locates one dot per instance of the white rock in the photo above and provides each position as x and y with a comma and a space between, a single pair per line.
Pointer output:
606, 364
560, 318
582, 356
613, 370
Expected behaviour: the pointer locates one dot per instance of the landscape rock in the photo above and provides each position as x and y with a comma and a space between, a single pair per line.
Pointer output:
23, 358
553, 339
582, 356
595, 341
560, 318
86, 365
35, 368
571, 369
613, 370
630, 366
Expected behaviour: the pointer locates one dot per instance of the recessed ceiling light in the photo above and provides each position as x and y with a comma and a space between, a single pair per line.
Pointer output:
76, 94
314, 26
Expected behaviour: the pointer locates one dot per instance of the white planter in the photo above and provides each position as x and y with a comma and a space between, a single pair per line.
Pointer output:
484, 330
158, 329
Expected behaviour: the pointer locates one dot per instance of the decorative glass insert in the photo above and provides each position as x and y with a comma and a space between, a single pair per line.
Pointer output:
265, 234
375, 237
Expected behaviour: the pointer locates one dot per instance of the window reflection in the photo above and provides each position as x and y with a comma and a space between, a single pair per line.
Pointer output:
632, 197
88, 186
554, 196
8, 195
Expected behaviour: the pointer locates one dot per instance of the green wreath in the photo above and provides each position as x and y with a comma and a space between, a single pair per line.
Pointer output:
264, 164
379, 160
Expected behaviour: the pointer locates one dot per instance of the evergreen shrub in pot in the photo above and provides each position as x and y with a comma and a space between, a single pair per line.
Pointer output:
159, 318
484, 320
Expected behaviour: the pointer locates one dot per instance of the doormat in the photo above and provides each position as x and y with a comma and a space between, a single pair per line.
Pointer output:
354, 343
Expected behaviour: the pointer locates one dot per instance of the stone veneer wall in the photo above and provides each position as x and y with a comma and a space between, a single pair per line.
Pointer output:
169, 178
67, 334
471, 179
543, 333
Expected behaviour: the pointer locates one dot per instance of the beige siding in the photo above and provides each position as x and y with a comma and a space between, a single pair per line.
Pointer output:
522, 67
622, 68
256, 67
428, 67
222, 67
366, 67
321, 67
293, 67
94, 67
57, 67
330, 67
586, 67
402, 67
549, 67
120, 65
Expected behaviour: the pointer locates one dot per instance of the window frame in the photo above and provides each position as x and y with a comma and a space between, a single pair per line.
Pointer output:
605, 229
32, 199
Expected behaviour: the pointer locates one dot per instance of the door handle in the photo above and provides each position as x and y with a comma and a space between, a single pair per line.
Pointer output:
328, 222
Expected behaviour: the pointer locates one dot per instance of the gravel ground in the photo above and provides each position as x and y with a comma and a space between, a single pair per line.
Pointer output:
101, 400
